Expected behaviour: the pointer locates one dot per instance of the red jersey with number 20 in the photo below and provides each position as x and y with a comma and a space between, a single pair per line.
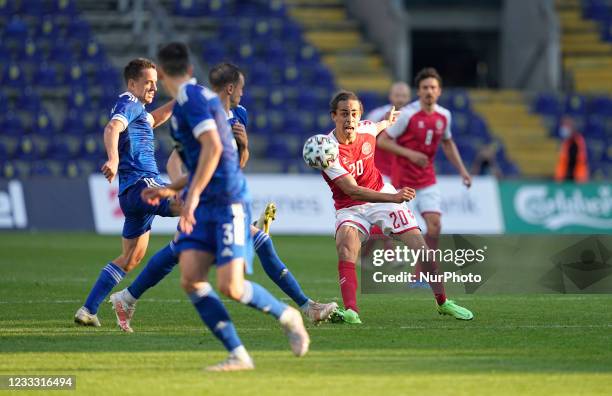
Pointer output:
417, 130
355, 159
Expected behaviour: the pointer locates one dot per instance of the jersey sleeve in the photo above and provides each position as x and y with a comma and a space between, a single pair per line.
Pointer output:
447, 130
197, 112
368, 127
335, 170
125, 111
397, 129
242, 115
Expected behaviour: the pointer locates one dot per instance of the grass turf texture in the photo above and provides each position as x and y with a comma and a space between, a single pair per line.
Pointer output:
532, 344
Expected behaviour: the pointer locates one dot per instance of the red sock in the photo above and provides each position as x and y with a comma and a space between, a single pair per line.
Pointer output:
375, 230
348, 284
432, 268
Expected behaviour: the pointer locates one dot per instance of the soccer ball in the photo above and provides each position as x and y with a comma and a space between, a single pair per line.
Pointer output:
320, 151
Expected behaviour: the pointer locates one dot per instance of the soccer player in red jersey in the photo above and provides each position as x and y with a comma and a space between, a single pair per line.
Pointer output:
414, 139
399, 96
362, 199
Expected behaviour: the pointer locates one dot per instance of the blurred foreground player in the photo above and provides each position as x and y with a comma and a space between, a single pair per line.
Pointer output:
215, 216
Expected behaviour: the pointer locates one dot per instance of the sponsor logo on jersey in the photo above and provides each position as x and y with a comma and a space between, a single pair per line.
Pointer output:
366, 148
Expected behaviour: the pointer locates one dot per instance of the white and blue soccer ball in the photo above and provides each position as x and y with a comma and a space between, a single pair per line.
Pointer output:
320, 151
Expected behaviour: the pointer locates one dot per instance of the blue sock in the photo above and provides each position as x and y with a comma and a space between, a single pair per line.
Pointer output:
109, 277
158, 266
215, 316
257, 297
276, 269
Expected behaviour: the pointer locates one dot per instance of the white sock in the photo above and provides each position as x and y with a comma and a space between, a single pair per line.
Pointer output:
127, 296
241, 353
306, 305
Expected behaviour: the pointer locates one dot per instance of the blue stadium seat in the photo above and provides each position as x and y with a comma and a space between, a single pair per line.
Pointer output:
79, 29
213, 52
61, 54
460, 102
600, 105
42, 123
575, 105
14, 76
9, 170
12, 125
75, 77
92, 148
64, 8
30, 53
34, 8
47, 32
7, 8
15, 33
93, 53
29, 100
61, 149
47, 76
74, 123
547, 104
371, 100
26, 150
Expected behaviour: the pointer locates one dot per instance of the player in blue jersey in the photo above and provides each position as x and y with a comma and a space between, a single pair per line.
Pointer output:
129, 142
215, 216
228, 82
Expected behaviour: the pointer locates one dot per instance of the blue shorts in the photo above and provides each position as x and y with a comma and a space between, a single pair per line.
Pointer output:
138, 214
222, 230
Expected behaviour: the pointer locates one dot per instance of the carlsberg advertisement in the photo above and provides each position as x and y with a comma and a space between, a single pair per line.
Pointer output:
557, 207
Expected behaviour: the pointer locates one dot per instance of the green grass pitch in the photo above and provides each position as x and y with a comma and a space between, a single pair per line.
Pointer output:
517, 344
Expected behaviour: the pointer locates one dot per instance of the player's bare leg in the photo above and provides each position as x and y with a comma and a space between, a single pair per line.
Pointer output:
415, 241
348, 245
133, 250
133, 253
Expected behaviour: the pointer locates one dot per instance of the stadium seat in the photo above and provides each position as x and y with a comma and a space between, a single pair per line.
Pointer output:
12, 125
575, 105
15, 33
74, 124
547, 104
13, 76
29, 53
29, 100
460, 102
47, 76
42, 123
7, 8
63, 7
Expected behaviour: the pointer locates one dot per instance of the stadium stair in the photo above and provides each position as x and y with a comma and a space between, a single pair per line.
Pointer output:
353, 60
523, 134
585, 55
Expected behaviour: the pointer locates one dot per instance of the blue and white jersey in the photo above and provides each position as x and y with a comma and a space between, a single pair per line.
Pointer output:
238, 114
198, 110
136, 142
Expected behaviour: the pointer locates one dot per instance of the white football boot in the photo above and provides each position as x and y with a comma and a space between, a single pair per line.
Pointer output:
84, 318
293, 325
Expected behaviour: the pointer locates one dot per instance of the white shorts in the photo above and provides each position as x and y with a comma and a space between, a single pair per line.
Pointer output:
427, 200
392, 218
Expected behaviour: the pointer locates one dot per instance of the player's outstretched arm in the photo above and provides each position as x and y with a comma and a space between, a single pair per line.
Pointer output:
450, 150
389, 120
386, 143
162, 113
111, 144
349, 186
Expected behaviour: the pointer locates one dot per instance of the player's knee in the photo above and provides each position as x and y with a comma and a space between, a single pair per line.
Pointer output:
188, 285
233, 290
